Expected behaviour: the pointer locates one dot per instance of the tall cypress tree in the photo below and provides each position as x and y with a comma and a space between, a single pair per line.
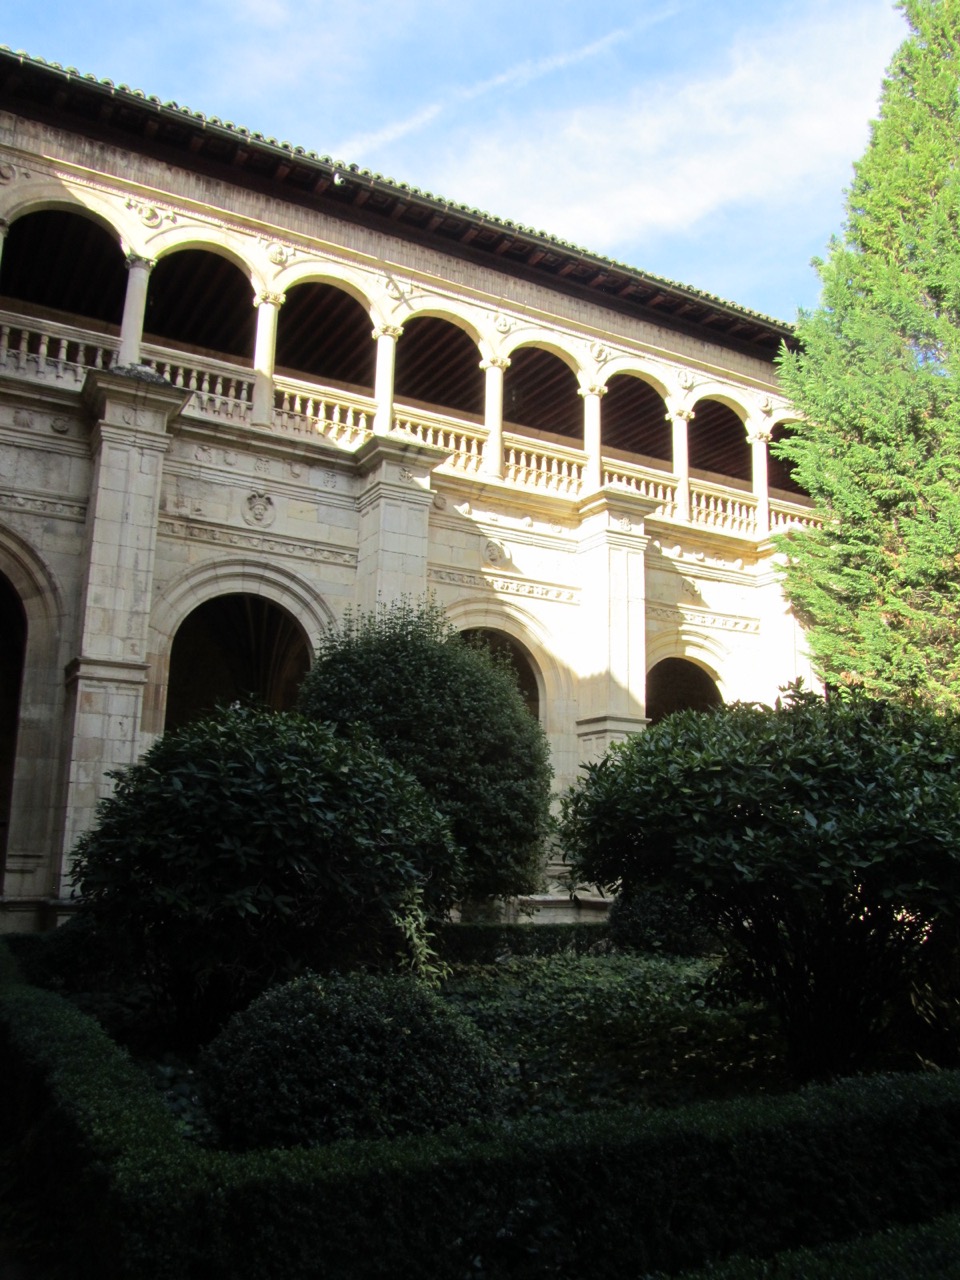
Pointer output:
877, 380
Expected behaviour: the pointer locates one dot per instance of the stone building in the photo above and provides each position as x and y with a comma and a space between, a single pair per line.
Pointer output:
243, 388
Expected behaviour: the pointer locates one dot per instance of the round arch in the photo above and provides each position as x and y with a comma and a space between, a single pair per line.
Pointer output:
429, 309
353, 283
38, 197
184, 237
538, 341
64, 258
679, 684
702, 650
634, 369
206, 582
323, 332
554, 685
33, 828
438, 363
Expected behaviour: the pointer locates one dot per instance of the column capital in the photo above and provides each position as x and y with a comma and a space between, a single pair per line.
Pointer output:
761, 432
685, 415
387, 331
593, 389
495, 362
136, 260
264, 298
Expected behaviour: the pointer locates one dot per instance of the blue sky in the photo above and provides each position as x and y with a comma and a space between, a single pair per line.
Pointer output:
708, 141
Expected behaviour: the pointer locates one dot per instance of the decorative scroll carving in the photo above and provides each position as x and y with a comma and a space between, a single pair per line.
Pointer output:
273, 545
509, 586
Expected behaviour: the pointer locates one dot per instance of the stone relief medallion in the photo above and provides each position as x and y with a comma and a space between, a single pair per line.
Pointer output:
406, 475
495, 552
22, 418
203, 453
279, 255
439, 502
229, 458
60, 425
262, 466
329, 479
258, 509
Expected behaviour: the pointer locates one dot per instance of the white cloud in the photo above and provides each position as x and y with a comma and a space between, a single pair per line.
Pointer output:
786, 111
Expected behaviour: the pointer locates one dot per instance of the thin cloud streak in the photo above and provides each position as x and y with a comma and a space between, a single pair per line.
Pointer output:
518, 76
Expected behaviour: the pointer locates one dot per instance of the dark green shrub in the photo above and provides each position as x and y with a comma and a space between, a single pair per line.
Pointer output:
250, 844
354, 1055
822, 838
460, 943
452, 715
661, 918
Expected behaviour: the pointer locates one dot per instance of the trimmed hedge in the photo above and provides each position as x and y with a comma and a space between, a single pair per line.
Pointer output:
611, 1195
927, 1252
487, 943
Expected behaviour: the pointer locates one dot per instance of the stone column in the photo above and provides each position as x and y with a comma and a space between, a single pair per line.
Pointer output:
593, 473
493, 369
679, 421
134, 307
105, 681
759, 436
386, 339
264, 355
612, 666
394, 510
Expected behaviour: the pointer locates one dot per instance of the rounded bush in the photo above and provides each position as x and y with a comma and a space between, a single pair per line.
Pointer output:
252, 843
350, 1055
452, 714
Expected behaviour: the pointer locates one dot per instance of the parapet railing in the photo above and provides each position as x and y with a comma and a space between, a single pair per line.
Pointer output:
52, 353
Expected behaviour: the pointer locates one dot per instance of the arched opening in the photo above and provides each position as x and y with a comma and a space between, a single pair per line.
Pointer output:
13, 647
634, 421
780, 470
718, 442
56, 261
676, 684
236, 646
541, 393
198, 300
512, 652
439, 364
323, 333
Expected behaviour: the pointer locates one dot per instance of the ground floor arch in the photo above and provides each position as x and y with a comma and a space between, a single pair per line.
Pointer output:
235, 646
509, 650
677, 684
13, 645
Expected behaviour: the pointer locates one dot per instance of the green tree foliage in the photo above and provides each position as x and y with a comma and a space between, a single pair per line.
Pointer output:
250, 843
454, 717
877, 379
822, 841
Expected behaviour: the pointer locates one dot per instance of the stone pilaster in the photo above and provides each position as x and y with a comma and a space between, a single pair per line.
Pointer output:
394, 508
105, 680
611, 561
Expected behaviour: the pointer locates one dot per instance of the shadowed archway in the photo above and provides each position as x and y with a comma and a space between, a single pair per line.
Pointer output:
234, 647
512, 652
676, 684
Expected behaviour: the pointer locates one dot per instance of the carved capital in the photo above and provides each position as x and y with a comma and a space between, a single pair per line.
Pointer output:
387, 331
135, 261
594, 389
495, 362
685, 415
264, 298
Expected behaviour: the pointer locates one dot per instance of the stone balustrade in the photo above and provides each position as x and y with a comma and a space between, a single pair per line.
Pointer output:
49, 352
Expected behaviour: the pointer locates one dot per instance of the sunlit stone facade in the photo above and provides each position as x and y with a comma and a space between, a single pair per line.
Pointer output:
205, 460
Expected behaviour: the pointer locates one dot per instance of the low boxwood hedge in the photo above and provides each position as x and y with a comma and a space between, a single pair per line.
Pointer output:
475, 943
612, 1195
